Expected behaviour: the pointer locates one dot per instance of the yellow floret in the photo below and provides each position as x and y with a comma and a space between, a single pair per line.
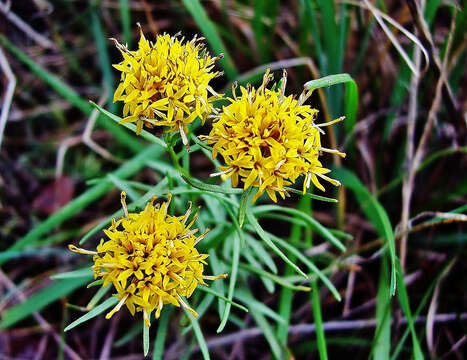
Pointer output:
166, 82
151, 260
267, 140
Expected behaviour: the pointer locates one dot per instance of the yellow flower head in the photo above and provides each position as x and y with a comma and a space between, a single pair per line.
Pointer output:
166, 82
151, 259
268, 140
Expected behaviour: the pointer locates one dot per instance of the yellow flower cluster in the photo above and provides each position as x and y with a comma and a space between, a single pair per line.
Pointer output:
166, 83
151, 259
268, 140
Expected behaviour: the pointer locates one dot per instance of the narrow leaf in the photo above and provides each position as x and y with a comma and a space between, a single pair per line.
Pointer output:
107, 304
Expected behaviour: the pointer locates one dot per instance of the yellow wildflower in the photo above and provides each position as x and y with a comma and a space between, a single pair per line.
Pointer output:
166, 83
268, 140
151, 259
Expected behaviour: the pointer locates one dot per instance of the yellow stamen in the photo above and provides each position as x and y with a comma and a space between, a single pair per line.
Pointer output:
117, 307
123, 201
81, 251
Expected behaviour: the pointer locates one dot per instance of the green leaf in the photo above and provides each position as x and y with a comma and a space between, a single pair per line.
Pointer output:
220, 296
262, 234
98, 296
199, 335
103, 55
244, 202
232, 282
299, 255
144, 134
209, 187
40, 300
382, 341
125, 16
351, 96
261, 253
376, 213
158, 348
145, 339
84, 272
268, 333
93, 313
258, 306
312, 196
405, 305
318, 320
277, 279
95, 283
305, 217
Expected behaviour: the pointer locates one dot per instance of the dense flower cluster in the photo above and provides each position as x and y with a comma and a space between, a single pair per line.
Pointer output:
268, 140
151, 259
166, 83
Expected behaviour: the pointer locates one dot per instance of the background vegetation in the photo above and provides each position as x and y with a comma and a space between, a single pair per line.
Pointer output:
401, 213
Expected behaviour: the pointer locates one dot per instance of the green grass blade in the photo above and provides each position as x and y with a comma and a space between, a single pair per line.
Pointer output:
125, 16
318, 320
222, 297
299, 255
303, 216
351, 95
145, 339
405, 305
209, 187
40, 300
286, 296
104, 59
330, 32
262, 234
130, 334
69, 94
268, 284
258, 306
420, 307
199, 335
93, 313
144, 134
83, 272
103, 290
122, 185
376, 213
268, 333
261, 253
311, 196
232, 282
382, 341
161, 335
277, 279
209, 30
244, 202
126, 170
217, 267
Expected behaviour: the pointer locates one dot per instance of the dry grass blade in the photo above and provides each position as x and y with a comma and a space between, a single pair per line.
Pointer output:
8, 97
414, 160
380, 17
430, 319
28, 30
